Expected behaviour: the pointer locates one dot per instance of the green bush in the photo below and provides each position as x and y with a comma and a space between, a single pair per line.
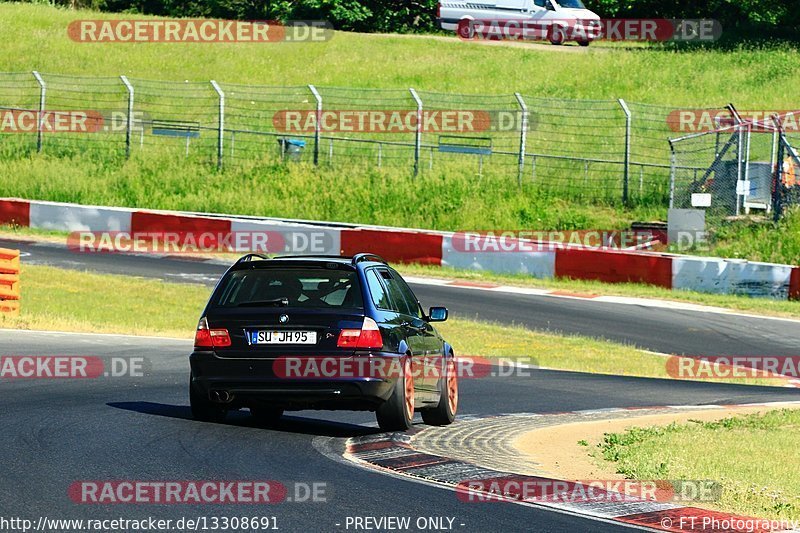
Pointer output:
420, 15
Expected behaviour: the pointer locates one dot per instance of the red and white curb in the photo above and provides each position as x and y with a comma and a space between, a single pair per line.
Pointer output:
702, 274
395, 454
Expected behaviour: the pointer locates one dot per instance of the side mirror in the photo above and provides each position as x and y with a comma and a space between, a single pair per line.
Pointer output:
437, 314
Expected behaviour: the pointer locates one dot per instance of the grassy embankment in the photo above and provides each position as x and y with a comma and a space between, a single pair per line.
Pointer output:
35, 37
750, 456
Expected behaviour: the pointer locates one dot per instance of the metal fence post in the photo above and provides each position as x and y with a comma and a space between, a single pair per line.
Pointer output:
317, 129
627, 168
40, 113
739, 154
777, 185
739, 170
221, 136
672, 162
746, 189
522, 137
129, 124
774, 152
418, 140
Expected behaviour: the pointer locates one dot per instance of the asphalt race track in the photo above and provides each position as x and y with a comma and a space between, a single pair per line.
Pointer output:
662, 330
58, 432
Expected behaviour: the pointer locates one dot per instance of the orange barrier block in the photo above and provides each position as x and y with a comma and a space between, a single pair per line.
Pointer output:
9, 307
9, 281
9, 261
9, 287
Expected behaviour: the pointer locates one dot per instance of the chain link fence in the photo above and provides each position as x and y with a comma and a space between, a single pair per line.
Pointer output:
787, 176
608, 150
736, 167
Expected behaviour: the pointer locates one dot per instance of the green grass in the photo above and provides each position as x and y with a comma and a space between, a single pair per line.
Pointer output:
68, 300
582, 354
158, 175
366, 196
35, 37
750, 455
761, 241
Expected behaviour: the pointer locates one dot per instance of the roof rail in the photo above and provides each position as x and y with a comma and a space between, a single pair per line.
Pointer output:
309, 257
249, 257
367, 257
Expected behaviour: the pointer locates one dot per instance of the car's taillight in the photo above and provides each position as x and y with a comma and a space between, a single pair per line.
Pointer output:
368, 337
210, 338
439, 10
348, 338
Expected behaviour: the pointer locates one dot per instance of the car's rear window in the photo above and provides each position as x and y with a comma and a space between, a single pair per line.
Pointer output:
292, 287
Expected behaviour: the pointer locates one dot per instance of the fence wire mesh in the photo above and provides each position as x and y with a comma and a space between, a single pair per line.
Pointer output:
577, 147
786, 192
734, 169
607, 150
705, 172
105, 102
249, 131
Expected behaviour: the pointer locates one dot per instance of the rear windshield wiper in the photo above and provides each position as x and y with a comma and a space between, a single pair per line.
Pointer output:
277, 302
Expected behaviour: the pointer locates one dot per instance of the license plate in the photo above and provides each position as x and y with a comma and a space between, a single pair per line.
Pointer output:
283, 337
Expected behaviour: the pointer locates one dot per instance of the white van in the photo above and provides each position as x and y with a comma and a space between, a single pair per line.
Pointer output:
561, 20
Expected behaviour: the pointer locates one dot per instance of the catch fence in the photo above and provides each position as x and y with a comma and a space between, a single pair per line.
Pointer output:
600, 150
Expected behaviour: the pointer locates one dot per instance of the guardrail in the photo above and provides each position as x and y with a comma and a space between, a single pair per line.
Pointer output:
702, 274
9, 282
609, 150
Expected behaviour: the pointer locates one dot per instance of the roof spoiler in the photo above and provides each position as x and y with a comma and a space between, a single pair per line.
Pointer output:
358, 258
249, 257
367, 257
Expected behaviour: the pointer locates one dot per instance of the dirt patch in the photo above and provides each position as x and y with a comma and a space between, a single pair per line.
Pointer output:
557, 450
530, 45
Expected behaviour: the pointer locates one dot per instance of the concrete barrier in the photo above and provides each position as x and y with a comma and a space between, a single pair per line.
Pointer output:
726, 276
614, 266
396, 245
298, 239
537, 264
702, 274
72, 217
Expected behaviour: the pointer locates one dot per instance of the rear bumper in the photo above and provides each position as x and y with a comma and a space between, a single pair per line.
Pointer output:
254, 382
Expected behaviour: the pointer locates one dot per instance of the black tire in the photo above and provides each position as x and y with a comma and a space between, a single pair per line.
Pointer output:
203, 408
465, 29
445, 412
556, 36
266, 415
394, 414
584, 43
